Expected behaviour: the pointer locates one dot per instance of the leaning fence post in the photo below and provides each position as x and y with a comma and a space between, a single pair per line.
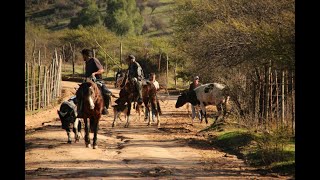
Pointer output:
33, 87
60, 77
28, 86
43, 87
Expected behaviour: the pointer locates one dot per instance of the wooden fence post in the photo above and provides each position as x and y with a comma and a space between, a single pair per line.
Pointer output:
282, 98
39, 86
28, 86
167, 72
44, 87
270, 93
34, 87
277, 98
39, 58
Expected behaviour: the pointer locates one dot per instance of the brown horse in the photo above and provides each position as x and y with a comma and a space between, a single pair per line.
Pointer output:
90, 98
149, 96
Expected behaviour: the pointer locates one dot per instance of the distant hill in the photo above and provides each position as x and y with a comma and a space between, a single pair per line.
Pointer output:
56, 14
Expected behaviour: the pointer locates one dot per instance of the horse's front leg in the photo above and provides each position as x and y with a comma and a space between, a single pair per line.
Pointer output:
149, 114
128, 115
95, 131
87, 135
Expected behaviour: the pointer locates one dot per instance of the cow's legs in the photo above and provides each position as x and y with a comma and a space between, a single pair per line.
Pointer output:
224, 108
128, 115
87, 135
219, 108
204, 113
69, 136
76, 129
95, 133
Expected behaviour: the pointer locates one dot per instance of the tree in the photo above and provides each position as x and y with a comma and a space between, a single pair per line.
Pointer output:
88, 16
123, 17
235, 34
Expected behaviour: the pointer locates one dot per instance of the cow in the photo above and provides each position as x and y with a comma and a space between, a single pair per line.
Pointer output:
207, 94
69, 120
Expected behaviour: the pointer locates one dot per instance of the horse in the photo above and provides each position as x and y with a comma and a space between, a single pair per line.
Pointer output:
149, 97
120, 75
128, 95
89, 96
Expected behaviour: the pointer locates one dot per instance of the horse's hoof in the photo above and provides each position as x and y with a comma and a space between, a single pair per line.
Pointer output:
112, 125
69, 142
88, 145
95, 147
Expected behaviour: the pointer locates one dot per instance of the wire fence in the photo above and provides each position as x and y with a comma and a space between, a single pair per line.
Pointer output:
42, 83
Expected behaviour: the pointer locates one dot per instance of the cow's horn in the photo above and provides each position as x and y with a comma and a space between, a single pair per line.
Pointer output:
63, 113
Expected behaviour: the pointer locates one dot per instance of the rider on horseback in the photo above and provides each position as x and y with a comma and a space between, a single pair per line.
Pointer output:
94, 70
135, 76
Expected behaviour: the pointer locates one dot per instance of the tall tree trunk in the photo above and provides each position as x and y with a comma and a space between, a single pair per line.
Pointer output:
121, 54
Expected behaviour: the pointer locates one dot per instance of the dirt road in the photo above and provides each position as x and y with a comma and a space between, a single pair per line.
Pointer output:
171, 152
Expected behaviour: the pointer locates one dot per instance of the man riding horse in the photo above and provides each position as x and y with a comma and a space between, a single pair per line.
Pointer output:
94, 69
135, 76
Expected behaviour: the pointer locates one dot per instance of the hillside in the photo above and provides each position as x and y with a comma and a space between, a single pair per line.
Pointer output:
56, 15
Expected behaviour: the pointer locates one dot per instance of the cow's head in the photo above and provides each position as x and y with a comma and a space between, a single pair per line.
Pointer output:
182, 100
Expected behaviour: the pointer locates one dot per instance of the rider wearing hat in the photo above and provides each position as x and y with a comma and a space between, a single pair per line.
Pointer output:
94, 69
135, 75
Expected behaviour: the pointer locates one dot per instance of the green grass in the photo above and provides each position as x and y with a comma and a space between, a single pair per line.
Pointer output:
270, 152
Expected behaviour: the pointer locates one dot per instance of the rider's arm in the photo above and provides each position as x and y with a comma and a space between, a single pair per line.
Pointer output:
99, 66
100, 71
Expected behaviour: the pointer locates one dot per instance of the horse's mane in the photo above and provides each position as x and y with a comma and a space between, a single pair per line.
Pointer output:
97, 94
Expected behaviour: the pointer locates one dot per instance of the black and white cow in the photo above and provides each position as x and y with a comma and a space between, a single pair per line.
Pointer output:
69, 120
207, 94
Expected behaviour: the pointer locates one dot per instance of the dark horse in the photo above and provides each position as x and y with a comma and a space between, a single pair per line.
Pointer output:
90, 98
120, 75
149, 96
128, 95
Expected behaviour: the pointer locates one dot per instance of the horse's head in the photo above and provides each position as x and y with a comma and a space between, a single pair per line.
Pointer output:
119, 77
86, 94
